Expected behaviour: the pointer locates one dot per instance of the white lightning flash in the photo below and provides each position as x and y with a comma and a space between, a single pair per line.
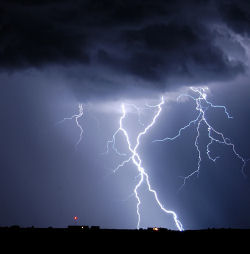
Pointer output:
202, 105
113, 141
135, 158
76, 118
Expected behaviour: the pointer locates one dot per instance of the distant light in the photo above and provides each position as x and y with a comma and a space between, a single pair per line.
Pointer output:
156, 229
75, 218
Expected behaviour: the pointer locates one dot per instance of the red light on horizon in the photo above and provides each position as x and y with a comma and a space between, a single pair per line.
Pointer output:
75, 218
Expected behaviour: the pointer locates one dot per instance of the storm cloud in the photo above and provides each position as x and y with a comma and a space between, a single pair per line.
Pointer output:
112, 45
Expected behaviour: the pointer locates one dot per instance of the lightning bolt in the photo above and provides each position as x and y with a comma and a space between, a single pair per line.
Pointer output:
113, 140
135, 158
76, 118
202, 106
214, 136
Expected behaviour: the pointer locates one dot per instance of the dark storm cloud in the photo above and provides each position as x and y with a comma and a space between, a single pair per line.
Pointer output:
174, 49
236, 14
34, 35
150, 41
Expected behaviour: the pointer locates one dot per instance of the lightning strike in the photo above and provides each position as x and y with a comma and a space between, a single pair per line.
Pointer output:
214, 136
113, 140
202, 106
135, 158
76, 118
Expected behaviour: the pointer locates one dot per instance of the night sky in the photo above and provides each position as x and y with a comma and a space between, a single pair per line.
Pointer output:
55, 55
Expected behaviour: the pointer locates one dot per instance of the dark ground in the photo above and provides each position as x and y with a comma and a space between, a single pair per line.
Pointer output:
75, 237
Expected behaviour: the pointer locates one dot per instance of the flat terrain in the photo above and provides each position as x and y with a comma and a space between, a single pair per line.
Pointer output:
89, 240
85, 232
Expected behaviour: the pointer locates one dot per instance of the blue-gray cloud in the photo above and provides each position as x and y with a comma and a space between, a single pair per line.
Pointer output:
148, 42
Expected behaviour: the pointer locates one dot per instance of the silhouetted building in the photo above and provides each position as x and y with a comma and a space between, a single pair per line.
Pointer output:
95, 228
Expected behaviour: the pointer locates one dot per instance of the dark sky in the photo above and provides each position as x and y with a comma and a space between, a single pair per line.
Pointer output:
57, 54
